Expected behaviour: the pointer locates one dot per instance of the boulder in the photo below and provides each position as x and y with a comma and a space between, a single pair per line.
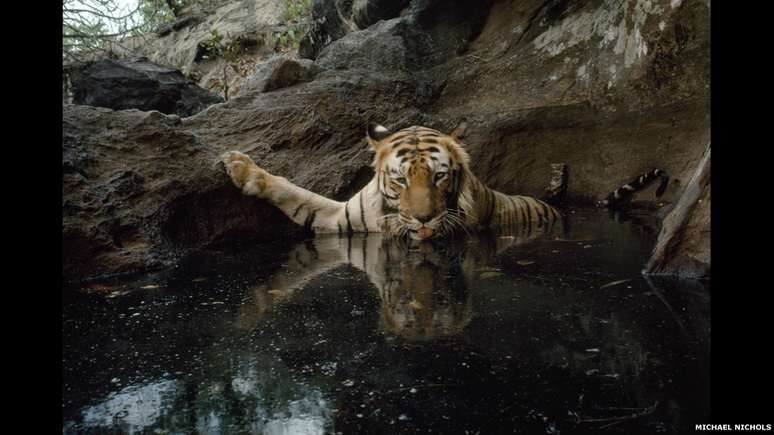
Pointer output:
138, 84
139, 192
279, 72
332, 19
683, 246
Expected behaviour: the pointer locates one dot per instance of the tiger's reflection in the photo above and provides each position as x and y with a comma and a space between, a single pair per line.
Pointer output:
425, 293
425, 288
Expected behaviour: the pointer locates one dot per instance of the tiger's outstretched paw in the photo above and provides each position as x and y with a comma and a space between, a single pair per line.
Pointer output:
245, 174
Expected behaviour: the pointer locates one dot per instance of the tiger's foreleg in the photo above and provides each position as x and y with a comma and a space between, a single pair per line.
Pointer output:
314, 211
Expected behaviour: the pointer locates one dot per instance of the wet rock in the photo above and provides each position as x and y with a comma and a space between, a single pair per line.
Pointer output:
683, 246
138, 84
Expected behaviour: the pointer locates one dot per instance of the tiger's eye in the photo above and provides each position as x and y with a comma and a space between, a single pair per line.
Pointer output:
401, 180
439, 176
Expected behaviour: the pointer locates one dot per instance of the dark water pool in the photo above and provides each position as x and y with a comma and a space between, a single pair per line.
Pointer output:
558, 333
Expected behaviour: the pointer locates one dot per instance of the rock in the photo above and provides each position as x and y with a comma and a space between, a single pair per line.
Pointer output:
279, 72
327, 25
367, 12
251, 27
182, 22
332, 19
381, 48
611, 89
683, 246
139, 192
138, 84
557, 186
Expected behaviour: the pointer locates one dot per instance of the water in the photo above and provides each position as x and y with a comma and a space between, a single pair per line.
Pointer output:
502, 333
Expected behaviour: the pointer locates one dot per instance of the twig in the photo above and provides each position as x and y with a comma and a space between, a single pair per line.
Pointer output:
616, 420
397, 390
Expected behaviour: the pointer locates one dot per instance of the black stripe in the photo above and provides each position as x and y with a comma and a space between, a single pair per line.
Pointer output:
537, 212
384, 183
297, 209
362, 213
429, 140
506, 216
309, 221
387, 208
365, 255
525, 223
339, 225
514, 209
432, 149
523, 213
490, 209
346, 214
401, 152
529, 209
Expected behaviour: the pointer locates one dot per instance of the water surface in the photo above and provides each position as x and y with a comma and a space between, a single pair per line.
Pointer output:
520, 332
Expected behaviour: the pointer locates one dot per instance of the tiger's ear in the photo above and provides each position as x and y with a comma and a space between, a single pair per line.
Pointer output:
376, 133
459, 132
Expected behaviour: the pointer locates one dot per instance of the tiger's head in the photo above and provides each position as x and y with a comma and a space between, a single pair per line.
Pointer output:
420, 173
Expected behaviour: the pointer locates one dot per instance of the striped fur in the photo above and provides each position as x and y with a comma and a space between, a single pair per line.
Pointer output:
624, 194
422, 188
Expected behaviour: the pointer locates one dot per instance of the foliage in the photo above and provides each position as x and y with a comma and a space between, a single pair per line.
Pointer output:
89, 25
229, 49
297, 17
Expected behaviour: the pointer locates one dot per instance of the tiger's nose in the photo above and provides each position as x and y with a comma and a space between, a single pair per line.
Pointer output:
424, 218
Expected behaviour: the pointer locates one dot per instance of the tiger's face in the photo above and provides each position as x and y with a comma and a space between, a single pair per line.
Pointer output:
419, 173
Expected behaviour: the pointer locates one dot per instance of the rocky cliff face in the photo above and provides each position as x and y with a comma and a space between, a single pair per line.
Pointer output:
611, 88
138, 84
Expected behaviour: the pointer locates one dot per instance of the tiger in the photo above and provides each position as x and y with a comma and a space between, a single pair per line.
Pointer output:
623, 195
422, 188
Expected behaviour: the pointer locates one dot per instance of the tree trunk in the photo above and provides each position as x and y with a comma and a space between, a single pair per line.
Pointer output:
683, 246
